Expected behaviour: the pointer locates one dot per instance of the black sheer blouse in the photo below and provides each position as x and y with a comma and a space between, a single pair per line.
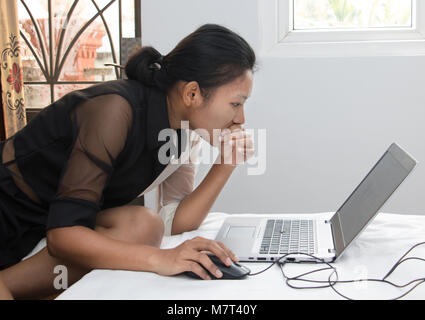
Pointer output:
91, 150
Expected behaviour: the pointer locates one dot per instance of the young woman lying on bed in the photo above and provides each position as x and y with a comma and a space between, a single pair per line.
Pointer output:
71, 173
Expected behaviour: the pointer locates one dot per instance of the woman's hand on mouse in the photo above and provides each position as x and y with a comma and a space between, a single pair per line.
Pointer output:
237, 146
190, 255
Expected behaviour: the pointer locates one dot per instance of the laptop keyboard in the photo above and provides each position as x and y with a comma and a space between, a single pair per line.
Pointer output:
286, 236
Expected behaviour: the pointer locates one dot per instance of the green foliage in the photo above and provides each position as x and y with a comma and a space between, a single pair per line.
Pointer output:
344, 12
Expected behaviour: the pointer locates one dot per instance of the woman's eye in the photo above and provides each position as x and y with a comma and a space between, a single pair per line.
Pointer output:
236, 104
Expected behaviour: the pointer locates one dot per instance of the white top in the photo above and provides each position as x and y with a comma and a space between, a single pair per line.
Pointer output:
176, 181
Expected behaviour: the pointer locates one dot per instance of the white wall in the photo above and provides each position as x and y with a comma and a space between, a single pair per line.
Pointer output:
328, 120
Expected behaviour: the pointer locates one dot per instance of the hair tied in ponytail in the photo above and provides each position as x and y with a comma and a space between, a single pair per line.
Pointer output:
157, 65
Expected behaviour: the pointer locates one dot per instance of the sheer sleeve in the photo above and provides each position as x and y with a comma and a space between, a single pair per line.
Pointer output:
177, 186
101, 127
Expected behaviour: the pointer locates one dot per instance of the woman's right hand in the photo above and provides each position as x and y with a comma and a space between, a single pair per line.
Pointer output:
190, 255
237, 146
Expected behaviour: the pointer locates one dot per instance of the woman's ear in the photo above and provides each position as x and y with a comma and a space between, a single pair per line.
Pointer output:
191, 93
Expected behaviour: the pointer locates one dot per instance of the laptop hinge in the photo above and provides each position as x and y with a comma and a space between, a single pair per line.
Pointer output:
333, 238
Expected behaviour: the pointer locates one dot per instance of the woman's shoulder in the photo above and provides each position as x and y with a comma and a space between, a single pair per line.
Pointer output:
119, 86
122, 89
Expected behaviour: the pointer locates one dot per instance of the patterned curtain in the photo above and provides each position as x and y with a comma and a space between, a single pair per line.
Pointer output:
12, 90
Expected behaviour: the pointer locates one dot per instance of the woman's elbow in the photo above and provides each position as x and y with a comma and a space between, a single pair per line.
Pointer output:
178, 228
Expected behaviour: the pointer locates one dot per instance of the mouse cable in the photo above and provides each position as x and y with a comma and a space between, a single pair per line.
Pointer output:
331, 283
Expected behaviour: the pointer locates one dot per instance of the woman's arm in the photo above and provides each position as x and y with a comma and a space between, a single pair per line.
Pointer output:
193, 209
88, 248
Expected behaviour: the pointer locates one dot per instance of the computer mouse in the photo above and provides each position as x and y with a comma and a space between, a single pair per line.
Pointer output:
234, 271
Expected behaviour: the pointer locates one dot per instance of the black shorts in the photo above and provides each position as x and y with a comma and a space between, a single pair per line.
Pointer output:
22, 221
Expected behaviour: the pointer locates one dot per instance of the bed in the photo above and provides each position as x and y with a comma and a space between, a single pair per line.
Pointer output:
371, 255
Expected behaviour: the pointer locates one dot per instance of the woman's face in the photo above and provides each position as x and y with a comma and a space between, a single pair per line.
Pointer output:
223, 110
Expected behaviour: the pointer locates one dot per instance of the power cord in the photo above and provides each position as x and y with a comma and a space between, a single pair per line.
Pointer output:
331, 283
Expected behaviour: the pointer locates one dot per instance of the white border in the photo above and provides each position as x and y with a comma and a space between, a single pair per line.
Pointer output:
278, 38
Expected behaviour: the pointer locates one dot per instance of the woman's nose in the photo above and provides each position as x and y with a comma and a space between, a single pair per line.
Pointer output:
240, 116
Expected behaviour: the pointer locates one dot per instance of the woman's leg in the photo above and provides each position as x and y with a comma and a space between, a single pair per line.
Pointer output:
4, 291
34, 277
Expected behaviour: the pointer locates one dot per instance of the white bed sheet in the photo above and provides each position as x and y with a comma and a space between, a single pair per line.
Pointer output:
371, 255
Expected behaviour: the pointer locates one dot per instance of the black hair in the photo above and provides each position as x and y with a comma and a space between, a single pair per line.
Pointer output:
212, 56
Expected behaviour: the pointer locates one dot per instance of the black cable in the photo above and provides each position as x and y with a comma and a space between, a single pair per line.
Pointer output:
331, 283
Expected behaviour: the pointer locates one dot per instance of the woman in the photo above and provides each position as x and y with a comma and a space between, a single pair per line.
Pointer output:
71, 172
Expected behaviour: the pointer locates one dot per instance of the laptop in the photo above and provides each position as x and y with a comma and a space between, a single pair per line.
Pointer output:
269, 238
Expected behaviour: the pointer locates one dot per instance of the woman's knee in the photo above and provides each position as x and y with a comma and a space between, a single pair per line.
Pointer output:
133, 223
147, 226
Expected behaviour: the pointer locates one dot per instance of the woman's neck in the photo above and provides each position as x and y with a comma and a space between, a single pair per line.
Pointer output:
175, 114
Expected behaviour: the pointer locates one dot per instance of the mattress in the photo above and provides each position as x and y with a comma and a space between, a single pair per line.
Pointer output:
371, 255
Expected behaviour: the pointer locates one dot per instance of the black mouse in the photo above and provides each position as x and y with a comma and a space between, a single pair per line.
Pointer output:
235, 271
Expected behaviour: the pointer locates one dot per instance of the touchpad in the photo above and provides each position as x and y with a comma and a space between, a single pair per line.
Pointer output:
241, 232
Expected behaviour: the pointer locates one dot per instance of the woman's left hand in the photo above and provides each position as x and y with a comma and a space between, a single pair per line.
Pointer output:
237, 146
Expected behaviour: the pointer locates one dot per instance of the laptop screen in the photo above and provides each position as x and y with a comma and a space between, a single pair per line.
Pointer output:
371, 194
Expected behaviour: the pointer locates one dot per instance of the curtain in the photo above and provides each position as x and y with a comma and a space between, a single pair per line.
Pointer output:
12, 89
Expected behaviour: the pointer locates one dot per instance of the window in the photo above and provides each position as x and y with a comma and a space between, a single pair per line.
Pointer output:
305, 28
351, 14
69, 44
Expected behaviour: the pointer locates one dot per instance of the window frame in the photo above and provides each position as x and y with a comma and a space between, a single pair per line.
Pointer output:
280, 39
53, 79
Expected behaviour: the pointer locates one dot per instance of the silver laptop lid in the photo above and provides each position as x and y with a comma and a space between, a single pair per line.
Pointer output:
371, 194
